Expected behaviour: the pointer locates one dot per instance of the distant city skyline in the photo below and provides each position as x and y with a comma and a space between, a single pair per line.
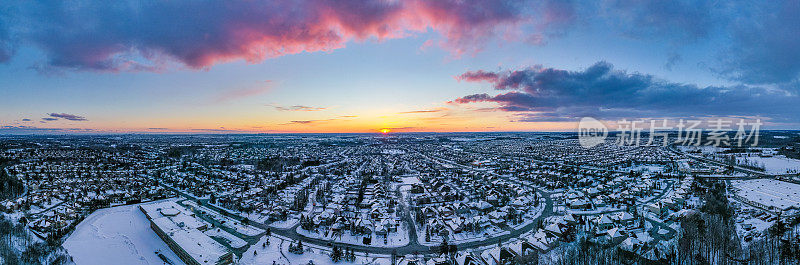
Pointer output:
402, 66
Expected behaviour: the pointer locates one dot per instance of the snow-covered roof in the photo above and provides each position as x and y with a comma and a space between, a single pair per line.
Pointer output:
772, 193
183, 229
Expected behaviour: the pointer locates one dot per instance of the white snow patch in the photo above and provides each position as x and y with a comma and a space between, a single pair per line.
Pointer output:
119, 235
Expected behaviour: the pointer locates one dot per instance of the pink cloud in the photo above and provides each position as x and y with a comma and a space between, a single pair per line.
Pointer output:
478, 76
151, 36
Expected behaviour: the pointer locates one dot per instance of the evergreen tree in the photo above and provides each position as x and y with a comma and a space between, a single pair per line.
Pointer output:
336, 254
444, 248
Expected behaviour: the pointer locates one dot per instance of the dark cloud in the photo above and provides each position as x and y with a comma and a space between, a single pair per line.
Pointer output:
759, 38
547, 94
149, 36
26, 119
49, 119
66, 116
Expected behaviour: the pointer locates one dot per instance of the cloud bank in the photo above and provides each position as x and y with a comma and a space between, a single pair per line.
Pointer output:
150, 36
66, 116
757, 40
546, 94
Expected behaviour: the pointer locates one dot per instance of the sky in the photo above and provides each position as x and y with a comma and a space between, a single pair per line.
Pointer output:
414, 65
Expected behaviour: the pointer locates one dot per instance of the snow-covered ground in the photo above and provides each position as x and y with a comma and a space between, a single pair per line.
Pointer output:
531, 215
705, 149
394, 239
465, 237
774, 165
116, 234
37, 209
277, 251
751, 222
291, 221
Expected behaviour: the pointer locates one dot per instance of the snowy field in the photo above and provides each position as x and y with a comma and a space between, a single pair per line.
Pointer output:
774, 165
290, 222
116, 234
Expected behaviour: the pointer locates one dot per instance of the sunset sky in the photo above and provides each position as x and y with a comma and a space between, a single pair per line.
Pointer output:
415, 65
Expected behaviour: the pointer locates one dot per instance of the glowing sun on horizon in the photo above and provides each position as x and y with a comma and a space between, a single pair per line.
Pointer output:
385, 131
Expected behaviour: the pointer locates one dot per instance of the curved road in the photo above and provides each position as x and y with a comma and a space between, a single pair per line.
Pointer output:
414, 247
